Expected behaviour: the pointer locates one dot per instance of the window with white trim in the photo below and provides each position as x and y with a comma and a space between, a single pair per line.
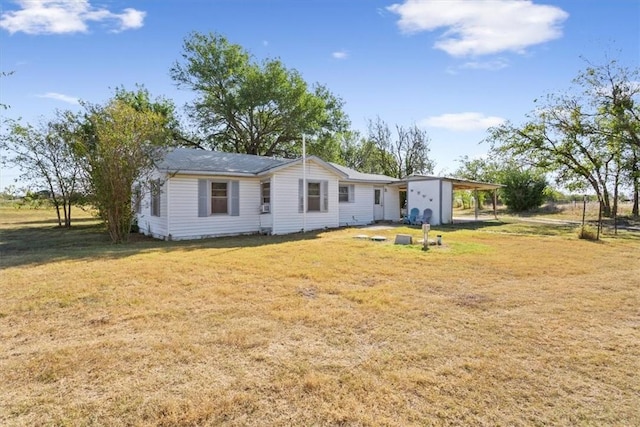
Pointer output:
219, 198
155, 198
317, 196
216, 197
313, 197
265, 192
346, 193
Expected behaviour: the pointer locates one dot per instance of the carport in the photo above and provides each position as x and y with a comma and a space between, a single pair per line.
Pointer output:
436, 193
475, 186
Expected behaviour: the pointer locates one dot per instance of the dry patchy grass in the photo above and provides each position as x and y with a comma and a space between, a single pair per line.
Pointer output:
502, 325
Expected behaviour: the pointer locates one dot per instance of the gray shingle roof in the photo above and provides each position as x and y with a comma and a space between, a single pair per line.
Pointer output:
193, 160
190, 160
354, 175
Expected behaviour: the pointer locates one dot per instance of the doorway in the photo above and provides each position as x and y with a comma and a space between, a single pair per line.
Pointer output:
378, 204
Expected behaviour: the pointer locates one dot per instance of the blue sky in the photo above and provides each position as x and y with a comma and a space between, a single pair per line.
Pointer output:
454, 67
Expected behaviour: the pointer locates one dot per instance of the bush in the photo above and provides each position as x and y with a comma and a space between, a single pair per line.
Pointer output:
588, 233
524, 190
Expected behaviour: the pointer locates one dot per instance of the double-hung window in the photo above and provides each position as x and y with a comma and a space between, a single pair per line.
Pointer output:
313, 197
317, 196
216, 197
219, 198
265, 192
346, 193
155, 198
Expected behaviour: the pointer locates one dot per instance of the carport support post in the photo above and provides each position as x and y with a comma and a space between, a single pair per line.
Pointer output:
495, 203
475, 195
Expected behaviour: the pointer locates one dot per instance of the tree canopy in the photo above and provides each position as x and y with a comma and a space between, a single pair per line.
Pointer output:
523, 189
120, 143
405, 154
585, 137
249, 107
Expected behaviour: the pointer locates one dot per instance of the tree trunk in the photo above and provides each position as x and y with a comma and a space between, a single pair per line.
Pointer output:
67, 216
615, 203
605, 202
57, 206
635, 173
636, 190
600, 204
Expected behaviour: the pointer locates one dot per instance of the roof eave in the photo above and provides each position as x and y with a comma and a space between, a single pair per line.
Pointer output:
316, 159
369, 181
208, 173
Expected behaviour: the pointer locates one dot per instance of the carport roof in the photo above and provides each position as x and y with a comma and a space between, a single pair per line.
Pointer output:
458, 183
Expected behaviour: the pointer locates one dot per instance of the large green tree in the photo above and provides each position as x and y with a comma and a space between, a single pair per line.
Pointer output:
120, 143
581, 136
252, 107
614, 94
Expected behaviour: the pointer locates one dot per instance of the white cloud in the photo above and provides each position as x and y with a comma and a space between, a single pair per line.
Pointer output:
482, 27
60, 97
462, 121
340, 54
131, 19
65, 16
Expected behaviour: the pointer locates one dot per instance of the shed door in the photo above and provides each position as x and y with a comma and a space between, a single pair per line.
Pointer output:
378, 204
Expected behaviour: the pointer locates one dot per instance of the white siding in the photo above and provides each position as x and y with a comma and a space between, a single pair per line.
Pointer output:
447, 203
185, 222
360, 211
423, 195
155, 226
391, 203
284, 199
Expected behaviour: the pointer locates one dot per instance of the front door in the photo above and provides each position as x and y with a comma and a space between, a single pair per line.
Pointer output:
378, 204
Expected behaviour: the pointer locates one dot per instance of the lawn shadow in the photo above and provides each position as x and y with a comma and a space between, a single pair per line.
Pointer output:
31, 245
472, 224
53, 221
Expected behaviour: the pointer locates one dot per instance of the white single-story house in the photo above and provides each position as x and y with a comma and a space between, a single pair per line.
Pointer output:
199, 193
210, 193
